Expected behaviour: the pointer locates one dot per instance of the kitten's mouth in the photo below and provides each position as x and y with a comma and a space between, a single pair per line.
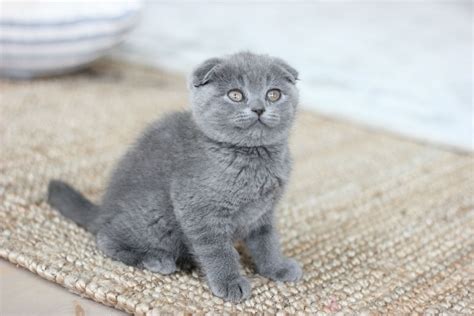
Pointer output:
262, 122
255, 124
258, 122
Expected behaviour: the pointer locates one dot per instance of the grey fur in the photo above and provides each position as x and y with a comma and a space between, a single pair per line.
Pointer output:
197, 181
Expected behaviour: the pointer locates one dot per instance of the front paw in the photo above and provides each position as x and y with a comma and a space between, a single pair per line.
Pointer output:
288, 270
235, 290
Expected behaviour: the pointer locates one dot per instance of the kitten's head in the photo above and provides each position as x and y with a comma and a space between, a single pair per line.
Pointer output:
244, 99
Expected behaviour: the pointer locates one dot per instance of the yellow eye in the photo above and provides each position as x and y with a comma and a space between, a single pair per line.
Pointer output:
273, 95
235, 95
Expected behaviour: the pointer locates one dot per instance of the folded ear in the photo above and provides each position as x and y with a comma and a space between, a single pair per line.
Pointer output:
204, 72
290, 73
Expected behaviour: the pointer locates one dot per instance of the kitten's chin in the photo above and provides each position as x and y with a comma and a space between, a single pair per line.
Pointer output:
243, 124
258, 134
255, 124
269, 121
250, 134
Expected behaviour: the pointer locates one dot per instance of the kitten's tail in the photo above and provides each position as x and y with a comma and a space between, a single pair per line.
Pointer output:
72, 204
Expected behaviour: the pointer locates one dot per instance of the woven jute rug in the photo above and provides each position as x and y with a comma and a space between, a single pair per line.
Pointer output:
380, 224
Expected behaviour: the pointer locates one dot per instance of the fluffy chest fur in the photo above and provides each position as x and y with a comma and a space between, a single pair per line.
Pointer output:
245, 174
238, 184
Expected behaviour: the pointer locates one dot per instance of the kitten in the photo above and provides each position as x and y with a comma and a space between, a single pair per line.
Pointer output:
197, 181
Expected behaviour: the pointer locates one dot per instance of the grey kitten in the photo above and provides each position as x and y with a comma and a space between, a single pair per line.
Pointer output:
197, 181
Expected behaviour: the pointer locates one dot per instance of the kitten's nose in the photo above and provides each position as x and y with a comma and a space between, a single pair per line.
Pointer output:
258, 111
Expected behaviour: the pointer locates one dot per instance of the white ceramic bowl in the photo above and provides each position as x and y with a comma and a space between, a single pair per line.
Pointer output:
43, 37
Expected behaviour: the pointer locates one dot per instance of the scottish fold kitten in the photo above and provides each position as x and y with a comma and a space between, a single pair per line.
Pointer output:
195, 182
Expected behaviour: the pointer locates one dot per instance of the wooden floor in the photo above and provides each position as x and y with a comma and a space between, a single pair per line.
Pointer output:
24, 293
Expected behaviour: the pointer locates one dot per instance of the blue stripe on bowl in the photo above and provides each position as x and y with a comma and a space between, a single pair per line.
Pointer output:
54, 56
65, 39
22, 74
26, 24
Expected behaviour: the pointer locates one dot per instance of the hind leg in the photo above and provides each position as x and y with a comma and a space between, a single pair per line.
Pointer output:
117, 250
171, 254
165, 262
186, 261
148, 238
165, 242
160, 261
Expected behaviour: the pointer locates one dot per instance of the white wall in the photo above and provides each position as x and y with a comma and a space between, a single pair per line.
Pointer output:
402, 66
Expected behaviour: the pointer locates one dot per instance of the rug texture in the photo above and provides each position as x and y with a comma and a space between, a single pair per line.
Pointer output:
380, 224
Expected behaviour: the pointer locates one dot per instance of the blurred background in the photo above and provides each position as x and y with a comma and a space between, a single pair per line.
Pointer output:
403, 66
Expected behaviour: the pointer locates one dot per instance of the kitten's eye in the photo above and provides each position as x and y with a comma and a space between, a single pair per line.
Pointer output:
273, 95
235, 95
